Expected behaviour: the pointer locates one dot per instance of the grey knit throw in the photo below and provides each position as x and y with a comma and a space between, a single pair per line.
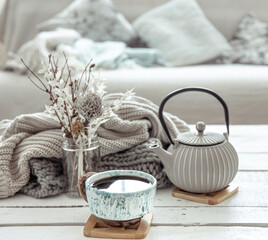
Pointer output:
47, 174
37, 136
138, 158
46, 178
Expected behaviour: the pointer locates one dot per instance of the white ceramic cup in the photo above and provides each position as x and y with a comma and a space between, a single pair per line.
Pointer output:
120, 206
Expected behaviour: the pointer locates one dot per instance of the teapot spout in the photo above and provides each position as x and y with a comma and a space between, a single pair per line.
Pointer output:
165, 156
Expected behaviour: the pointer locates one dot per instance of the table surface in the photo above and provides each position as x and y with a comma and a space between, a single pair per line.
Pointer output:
243, 216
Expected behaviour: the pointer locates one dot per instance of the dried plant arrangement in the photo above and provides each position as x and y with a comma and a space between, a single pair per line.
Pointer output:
76, 102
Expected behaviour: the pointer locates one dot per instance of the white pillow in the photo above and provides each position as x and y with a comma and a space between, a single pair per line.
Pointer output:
181, 31
98, 20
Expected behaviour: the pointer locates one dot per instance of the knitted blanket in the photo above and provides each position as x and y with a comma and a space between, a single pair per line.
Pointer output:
47, 177
39, 136
139, 158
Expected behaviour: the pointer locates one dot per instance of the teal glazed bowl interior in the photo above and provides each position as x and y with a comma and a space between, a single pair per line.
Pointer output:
117, 205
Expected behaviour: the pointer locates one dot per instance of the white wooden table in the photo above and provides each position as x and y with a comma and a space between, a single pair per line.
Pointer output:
243, 216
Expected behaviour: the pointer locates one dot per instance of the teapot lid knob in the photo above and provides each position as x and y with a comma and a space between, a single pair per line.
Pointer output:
200, 138
200, 127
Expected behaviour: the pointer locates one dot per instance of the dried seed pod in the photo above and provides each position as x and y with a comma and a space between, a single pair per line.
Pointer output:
77, 127
89, 106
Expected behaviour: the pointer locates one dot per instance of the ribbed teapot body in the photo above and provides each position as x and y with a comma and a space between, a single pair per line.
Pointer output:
204, 169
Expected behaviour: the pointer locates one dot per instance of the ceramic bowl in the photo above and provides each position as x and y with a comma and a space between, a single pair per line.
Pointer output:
120, 206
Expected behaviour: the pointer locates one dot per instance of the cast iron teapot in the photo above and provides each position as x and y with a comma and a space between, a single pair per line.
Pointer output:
198, 162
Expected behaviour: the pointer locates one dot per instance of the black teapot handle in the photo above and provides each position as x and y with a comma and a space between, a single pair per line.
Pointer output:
190, 89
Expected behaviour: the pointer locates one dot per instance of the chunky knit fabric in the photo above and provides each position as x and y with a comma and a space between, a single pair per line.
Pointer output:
39, 136
139, 158
46, 178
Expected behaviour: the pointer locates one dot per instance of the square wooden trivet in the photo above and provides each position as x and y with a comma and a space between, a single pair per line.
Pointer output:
207, 198
95, 227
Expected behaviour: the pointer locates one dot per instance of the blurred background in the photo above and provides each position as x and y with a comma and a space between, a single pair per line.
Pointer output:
219, 44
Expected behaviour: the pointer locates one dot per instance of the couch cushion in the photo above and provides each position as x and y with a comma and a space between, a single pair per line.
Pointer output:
249, 43
182, 32
97, 20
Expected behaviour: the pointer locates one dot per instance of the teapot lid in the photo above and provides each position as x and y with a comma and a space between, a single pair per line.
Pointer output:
201, 138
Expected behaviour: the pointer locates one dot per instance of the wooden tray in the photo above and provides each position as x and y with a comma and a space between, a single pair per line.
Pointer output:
95, 227
207, 198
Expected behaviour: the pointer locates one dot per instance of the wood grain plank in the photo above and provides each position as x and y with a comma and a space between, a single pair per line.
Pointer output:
167, 216
167, 233
253, 161
22, 200
245, 197
253, 191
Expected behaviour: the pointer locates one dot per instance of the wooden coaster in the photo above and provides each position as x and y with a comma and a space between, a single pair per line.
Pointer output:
95, 227
207, 198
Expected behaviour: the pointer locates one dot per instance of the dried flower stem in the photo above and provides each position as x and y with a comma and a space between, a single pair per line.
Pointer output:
45, 90
77, 104
62, 124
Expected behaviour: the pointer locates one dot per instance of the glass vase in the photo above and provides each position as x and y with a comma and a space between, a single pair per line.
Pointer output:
77, 160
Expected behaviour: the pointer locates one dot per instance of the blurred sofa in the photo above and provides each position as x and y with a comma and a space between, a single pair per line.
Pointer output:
243, 87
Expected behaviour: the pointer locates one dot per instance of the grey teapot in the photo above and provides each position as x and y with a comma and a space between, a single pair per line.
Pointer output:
198, 162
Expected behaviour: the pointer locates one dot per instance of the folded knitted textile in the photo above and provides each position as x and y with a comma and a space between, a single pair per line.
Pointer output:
46, 178
139, 158
39, 136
